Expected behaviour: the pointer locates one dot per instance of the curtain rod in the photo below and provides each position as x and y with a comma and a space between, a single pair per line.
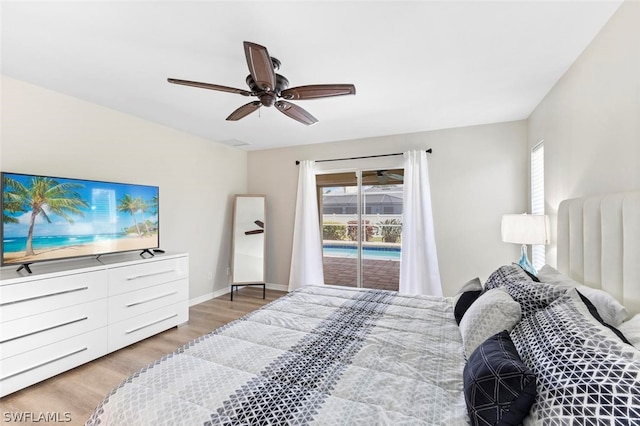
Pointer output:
428, 151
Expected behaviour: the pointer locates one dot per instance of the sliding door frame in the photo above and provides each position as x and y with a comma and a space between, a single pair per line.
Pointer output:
359, 210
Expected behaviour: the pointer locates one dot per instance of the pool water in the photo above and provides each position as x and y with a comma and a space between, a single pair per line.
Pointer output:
379, 253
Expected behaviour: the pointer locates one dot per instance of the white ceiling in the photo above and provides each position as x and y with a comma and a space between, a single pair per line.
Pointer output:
416, 65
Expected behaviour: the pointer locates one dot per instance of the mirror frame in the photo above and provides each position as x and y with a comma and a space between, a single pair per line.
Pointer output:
260, 216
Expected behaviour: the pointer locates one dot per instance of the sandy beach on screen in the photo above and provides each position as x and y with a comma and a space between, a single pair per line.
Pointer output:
122, 244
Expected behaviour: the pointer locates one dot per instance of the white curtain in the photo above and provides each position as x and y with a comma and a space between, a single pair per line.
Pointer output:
419, 273
306, 256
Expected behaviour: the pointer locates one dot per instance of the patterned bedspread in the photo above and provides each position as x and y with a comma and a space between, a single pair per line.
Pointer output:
320, 355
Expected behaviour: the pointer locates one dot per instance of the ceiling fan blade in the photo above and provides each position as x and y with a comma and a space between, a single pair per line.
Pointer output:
244, 110
260, 65
384, 177
209, 86
318, 91
295, 112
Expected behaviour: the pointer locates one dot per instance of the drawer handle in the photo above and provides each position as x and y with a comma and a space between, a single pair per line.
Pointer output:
44, 363
128, 305
45, 329
150, 324
135, 277
42, 296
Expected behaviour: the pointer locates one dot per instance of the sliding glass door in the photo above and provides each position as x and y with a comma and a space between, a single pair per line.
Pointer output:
361, 214
338, 201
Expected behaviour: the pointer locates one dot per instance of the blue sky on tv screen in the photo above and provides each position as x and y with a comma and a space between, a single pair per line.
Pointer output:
101, 216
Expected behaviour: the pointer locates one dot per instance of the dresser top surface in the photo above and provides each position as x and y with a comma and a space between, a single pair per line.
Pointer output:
43, 270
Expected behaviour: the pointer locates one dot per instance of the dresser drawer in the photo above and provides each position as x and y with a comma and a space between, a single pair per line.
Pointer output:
28, 333
31, 367
23, 299
147, 274
134, 303
124, 333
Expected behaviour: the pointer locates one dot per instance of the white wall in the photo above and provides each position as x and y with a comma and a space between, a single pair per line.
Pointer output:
46, 132
590, 120
477, 174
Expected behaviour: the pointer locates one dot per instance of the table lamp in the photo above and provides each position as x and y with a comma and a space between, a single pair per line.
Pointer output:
525, 229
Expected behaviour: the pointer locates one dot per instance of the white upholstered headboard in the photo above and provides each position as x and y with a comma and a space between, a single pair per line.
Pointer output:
599, 244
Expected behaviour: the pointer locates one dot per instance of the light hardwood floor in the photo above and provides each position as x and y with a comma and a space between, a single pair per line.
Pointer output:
75, 393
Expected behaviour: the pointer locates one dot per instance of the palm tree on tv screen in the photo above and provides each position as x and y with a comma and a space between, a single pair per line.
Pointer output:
11, 200
44, 194
153, 205
152, 209
144, 208
131, 205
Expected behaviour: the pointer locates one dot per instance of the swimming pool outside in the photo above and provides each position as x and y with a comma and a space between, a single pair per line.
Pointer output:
368, 252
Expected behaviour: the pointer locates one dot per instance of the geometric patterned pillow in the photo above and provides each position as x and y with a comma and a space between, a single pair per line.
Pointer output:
585, 374
498, 387
529, 274
531, 295
491, 313
506, 274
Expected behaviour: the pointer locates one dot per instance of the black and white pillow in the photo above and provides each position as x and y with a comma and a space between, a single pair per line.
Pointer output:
531, 295
467, 294
506, 274
498, 388
531, 276
585, 373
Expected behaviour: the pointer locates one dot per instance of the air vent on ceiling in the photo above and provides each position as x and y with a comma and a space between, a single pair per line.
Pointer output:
234, 142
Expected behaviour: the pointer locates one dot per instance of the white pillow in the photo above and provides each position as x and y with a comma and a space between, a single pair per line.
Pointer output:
611, 311
493, 312
631, 330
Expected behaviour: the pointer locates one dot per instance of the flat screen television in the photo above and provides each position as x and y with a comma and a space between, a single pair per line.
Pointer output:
48, 218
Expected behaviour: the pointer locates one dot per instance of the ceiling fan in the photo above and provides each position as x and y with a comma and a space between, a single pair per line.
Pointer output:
272, 89
383, 177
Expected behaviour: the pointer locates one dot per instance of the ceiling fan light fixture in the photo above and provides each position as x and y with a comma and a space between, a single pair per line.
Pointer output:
267, 99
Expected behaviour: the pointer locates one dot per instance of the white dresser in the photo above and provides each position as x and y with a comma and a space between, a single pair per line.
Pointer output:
70, 312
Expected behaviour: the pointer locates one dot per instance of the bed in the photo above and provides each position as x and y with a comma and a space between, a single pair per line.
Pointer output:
518, 348
320, 354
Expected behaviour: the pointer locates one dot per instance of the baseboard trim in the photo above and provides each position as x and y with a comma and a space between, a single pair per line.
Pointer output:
227, 290
279, 287
201, 299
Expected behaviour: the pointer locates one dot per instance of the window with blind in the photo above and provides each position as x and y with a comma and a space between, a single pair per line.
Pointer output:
537, 198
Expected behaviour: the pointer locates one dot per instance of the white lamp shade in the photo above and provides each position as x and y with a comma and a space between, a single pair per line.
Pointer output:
525, 228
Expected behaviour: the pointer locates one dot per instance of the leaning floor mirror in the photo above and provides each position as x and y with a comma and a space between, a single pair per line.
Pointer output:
248, 246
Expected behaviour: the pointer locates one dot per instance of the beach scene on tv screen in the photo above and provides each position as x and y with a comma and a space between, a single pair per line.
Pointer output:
46, 218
